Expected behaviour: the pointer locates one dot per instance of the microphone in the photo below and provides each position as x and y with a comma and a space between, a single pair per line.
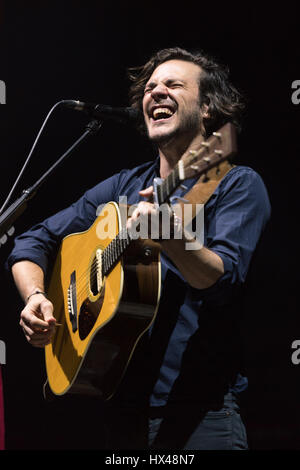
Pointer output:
104, 112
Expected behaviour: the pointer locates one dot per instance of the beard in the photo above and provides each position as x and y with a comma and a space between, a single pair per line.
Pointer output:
187, 128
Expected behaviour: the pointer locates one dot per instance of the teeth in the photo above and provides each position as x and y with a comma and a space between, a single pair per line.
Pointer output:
162, 111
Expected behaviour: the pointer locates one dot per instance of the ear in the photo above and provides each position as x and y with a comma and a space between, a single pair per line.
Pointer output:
205, 113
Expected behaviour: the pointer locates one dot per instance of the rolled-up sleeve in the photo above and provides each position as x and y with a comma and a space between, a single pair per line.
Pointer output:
237, 215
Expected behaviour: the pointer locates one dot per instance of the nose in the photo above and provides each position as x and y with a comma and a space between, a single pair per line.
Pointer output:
159, 91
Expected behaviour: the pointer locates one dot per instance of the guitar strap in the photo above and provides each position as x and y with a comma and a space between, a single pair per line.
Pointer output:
201, 192
207, 183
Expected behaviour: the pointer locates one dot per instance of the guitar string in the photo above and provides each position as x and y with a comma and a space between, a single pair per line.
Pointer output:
112, 252
83, 283
110, 255
110, 258
172, 182
166, 188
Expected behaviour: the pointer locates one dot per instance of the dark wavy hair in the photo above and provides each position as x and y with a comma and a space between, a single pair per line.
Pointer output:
225, 103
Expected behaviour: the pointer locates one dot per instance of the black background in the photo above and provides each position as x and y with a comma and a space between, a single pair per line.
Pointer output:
80, 50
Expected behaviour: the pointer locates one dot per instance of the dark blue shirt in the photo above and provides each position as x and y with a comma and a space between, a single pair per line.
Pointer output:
192, 352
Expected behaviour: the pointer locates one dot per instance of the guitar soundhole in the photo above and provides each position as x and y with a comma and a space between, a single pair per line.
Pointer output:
88, 315
90, 309
86, 320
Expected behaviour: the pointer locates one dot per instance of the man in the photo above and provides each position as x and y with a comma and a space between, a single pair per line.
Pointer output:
182, 385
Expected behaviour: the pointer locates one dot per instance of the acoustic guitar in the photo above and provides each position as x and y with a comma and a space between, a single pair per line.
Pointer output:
106, 289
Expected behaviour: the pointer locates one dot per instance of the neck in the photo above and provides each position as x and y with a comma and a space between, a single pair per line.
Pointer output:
171, 152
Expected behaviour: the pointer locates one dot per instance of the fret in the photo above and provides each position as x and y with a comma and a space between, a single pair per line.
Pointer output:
163, 192
104, 264
123, 240
113, 251
118, 247
109, 255
167, 181
174, 176
159, 194
168, 186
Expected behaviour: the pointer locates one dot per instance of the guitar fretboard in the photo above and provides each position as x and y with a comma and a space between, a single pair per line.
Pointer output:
168, 186
118, 245
114, 250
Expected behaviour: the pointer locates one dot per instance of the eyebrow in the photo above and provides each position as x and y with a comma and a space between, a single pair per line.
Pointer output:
169, 81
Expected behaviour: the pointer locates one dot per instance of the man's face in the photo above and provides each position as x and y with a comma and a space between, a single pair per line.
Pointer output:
171, 102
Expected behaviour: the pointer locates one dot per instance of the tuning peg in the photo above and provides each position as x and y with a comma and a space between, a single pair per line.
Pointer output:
11, 231
205, 144
194, 154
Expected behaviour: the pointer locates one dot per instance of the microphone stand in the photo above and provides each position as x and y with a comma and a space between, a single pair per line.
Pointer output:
17, 208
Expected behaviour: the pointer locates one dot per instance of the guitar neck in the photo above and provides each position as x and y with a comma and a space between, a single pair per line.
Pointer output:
115, 249
218, 147
120, 243
167, 186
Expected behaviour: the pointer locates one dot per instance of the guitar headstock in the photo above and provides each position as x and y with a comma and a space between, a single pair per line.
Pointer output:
220, 146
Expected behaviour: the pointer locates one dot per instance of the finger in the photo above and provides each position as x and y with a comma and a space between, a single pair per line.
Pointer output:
32, 331
46, 309
41, 309
145, 207
139, 210
148, 192
39, 339
32, 320
37, 321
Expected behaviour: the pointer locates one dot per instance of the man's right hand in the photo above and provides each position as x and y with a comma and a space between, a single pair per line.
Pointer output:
37, 321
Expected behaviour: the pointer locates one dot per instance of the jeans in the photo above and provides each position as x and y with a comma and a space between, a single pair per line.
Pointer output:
177, 427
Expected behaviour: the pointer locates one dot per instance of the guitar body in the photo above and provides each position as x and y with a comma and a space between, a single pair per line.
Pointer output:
101, 320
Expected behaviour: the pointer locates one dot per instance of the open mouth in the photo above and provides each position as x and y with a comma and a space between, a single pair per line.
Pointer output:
161, 113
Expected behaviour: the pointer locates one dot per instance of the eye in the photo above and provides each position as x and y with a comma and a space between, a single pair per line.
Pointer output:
148, 89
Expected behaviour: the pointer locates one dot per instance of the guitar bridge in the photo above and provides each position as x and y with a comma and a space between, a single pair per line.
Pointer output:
72, 302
